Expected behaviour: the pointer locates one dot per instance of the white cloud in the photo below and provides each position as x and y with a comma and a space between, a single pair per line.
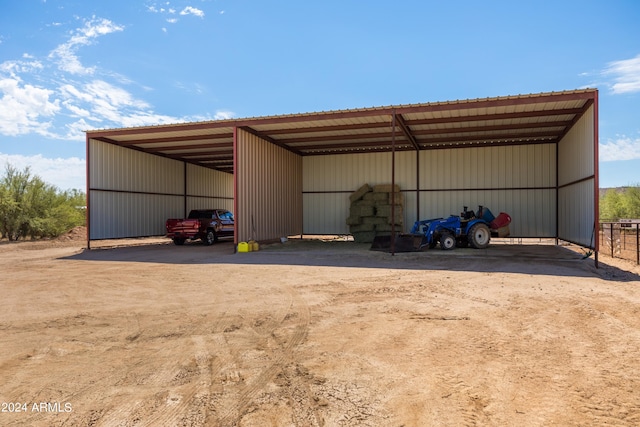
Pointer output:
61, 106
76, 130
66, 174
79, 112
224, 115
118, 97
104, 102
626, 75
65, 54
148, 119
622, 148
14, 68
23, 108
189, 10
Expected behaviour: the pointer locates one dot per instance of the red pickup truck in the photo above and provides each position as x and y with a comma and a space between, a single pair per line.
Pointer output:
205, 224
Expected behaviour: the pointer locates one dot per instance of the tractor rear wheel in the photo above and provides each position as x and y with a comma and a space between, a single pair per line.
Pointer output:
479, 236
447, 241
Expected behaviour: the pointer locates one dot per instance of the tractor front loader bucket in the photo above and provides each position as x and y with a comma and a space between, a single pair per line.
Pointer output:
402, 243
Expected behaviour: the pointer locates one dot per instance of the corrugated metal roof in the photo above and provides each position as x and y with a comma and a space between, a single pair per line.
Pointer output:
519, 119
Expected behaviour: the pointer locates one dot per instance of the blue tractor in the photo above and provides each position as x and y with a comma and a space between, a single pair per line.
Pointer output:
468, 229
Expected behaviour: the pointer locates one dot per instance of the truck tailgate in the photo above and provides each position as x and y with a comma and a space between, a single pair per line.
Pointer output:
183, 227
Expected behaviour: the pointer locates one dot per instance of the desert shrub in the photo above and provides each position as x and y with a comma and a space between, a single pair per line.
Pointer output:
618, 203
31, 208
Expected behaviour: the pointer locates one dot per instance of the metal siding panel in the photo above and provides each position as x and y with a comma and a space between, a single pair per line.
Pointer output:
576, 150
121, 215
117, 168
576, 166
508, 166
478, 168
484, 171
339, 175
522, 170
490, 167
209, 203
209, 189
496, 171
476, 173
350, 171
577, 222
532, 211
409, 211
406, 169
325, 213
269, 190
131, 193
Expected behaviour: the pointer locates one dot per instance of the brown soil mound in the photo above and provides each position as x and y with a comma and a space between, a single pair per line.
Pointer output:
76, 234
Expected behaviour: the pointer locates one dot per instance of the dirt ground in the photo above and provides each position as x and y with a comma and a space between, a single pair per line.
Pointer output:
313, 333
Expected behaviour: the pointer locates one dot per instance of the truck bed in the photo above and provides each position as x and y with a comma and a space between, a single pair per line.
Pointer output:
181, 227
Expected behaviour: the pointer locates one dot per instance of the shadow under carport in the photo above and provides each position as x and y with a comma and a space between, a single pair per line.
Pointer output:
519, 258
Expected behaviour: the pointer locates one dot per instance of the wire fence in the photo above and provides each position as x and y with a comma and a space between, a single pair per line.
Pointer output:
620, 240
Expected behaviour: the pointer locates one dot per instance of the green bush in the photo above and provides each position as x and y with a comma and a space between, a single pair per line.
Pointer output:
31, 208
616, 204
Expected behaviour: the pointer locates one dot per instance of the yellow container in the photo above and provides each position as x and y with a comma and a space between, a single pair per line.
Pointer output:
243, 247
254, 246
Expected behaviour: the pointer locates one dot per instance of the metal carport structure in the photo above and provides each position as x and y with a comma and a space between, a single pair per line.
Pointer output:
535, 156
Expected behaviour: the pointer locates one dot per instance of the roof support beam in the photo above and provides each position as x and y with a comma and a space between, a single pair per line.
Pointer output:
515, 136
497, 116
225, 146
486, 129
577, 117
209, 137
347, 137
377, 140
269, 139
431, 121
155, 153
405, 130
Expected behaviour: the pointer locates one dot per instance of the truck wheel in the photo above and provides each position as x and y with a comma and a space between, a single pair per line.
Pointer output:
447, 241
479, 236
178, 241
209, 238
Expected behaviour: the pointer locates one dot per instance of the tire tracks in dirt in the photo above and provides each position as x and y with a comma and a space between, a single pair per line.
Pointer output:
173, 389
181, 388
283, 333
464, 400
621, 404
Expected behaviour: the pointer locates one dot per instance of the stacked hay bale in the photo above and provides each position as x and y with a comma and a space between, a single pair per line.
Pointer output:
370, 212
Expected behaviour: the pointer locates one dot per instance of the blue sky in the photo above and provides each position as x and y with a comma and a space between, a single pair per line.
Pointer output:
72, 65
